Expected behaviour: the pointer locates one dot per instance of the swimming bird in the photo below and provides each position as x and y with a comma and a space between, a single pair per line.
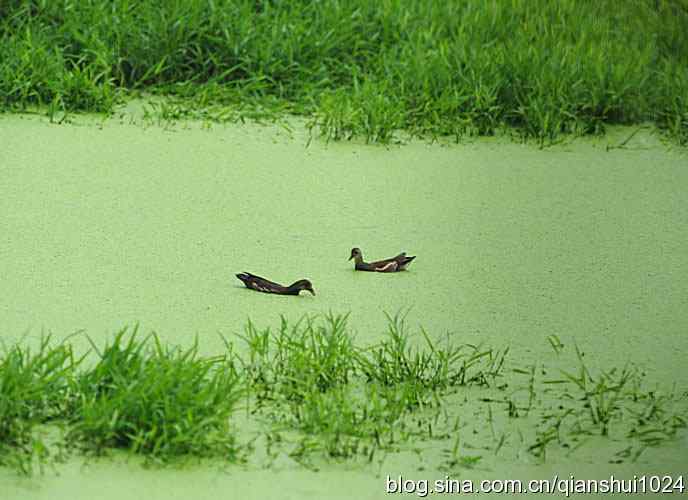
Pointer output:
398, 263
262, 285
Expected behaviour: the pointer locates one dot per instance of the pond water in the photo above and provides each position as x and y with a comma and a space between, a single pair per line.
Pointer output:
107, 223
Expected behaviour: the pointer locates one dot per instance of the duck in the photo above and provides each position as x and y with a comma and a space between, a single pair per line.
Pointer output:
263, 285
391, 265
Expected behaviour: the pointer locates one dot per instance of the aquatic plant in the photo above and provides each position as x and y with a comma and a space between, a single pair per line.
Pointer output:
613, 402
309, 391
348, 400
297, 358
34, 388
155, 400
362, 68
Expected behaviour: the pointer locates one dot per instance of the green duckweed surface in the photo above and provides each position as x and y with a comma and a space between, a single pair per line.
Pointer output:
108, 223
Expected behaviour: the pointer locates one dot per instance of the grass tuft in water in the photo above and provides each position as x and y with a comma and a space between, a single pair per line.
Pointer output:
297, 358
613, 403
160, 401
310, 377
396, 361
34, 389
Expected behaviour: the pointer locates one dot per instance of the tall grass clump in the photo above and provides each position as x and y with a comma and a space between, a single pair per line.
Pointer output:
34, 388
430, 367
162, 402
295, 359
364, 67
309, 376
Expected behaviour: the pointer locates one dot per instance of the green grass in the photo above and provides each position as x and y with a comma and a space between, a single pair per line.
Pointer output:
34, 389
363, 68
396, 361
612, 403
159, 401
309, 391
298, 358
309, 376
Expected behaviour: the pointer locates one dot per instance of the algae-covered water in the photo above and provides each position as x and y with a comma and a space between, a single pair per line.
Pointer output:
108, 223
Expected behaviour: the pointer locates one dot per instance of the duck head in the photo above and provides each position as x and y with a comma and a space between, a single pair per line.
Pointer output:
303, 285
356, 254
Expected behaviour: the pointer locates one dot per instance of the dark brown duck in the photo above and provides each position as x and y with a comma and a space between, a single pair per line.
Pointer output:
394, 264
262, 285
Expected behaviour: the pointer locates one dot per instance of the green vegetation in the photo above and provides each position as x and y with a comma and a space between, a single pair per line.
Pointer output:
34, 388
610, 403
352, 399
363, 68
155, 400
313, 394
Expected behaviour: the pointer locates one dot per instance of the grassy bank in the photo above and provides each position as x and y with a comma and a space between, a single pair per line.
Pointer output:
363, 68
306, 391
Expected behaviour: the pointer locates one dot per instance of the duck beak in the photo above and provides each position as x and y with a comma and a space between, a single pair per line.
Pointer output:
312, 291
352, 256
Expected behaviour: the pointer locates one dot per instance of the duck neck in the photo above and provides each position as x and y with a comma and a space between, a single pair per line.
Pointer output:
297, 286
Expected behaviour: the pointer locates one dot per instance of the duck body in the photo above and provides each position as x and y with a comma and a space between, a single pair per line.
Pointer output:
391, 265
260, 284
